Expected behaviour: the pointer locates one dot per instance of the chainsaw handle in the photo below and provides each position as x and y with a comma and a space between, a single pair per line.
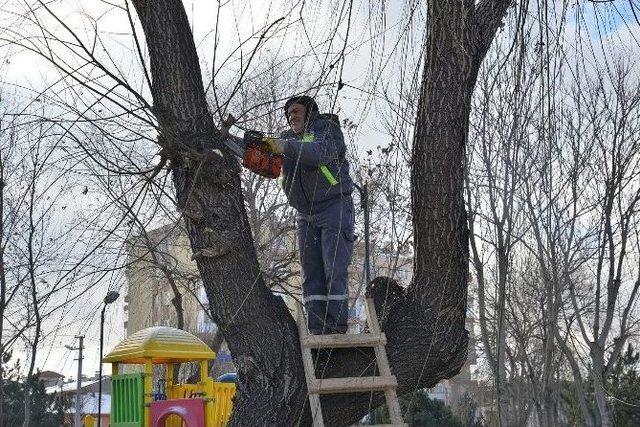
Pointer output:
253, 137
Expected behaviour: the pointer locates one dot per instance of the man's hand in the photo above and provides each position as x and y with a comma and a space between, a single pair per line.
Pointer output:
276, 145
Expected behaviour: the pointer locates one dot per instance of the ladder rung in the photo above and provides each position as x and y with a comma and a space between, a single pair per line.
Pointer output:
351, 384
344, 340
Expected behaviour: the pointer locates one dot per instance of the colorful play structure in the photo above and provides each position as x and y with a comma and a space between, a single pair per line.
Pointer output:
134, 403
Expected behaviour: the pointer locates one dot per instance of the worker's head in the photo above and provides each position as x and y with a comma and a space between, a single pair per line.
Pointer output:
299, 110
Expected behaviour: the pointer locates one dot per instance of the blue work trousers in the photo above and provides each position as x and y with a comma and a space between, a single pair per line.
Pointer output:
326, 241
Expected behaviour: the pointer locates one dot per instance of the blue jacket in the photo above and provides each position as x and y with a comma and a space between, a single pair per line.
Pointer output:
321, 143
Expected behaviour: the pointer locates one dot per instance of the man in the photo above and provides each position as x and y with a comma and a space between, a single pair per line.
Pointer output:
317, 184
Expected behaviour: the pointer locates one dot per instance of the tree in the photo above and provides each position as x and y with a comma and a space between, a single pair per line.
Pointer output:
495, 171
594, 254
47, 409
42, 270
419, 410
624, 387
540, 125
425, 323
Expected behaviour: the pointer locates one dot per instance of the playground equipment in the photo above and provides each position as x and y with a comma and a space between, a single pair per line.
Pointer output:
134, 403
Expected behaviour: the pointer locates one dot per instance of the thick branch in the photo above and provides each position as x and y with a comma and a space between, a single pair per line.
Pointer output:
488, 18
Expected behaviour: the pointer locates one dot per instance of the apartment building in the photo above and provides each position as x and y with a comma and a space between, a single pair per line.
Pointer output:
159, 269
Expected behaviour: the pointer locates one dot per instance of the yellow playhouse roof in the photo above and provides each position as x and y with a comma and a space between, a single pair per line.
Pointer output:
162, 344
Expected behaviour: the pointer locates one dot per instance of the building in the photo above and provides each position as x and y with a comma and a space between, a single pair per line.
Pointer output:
160, 270
88, 398
51, 378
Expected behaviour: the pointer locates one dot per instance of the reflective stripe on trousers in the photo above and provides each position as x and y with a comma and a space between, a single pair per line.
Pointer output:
308, 298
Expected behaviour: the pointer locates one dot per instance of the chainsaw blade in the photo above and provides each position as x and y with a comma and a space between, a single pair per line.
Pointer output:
236, 145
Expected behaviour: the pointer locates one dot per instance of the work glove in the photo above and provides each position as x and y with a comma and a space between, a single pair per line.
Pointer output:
276, 145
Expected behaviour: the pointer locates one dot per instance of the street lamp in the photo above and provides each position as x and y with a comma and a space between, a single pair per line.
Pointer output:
108, 299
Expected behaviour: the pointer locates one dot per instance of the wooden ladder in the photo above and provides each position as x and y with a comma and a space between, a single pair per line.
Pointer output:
316, 386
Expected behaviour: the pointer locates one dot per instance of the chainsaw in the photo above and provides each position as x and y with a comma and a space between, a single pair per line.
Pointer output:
254, 149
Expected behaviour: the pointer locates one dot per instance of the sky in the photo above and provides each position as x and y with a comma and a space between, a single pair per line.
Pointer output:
310, 36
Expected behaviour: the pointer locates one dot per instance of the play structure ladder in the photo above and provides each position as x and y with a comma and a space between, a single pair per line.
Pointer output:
316, 386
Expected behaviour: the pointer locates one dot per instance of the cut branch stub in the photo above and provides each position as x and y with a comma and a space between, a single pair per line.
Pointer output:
211, 252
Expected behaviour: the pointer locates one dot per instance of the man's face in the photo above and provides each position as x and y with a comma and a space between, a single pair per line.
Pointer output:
297, 114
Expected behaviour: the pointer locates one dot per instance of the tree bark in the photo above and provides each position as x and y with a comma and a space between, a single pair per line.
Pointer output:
427, 340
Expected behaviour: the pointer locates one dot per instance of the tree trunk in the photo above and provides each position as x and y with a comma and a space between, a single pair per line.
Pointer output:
272, 388
578, 383
501, 368
597, 356
29, 382
427, 340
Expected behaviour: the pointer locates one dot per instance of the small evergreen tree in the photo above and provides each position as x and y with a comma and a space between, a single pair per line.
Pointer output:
624, 386
418, 410
47, 409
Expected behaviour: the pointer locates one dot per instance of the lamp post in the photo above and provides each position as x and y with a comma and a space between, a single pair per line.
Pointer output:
108, 299
364, 203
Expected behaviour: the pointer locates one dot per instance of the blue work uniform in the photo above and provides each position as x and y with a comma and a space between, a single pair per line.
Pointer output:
317, 184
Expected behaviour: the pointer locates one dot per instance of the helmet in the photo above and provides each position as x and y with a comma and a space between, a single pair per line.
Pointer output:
308, 102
